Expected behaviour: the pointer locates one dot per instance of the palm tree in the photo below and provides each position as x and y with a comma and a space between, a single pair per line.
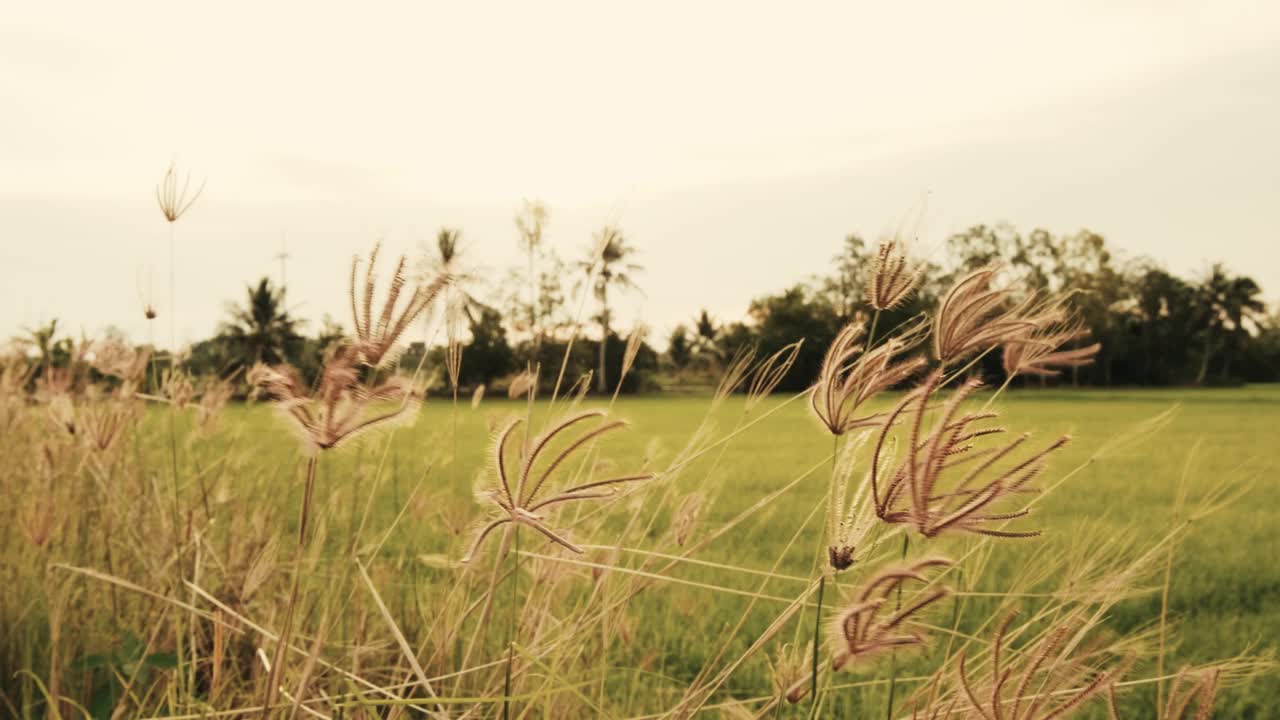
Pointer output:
704, 338
1240, 304
1226, 303
530, 222
42, 338
606, 268
261, 330
448, 260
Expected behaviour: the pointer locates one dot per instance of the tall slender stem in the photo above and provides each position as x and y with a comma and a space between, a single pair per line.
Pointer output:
1007, 379
871, 336
511, 620
817, 630
893, 658
822, 579
282, 644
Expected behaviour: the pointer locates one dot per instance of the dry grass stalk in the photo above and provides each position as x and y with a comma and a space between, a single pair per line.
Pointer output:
1188, 689
850, 511
1040, 682
453, 353
912, 491
850, 377
174, 196
1039, 351
770, 372
893, 279
688, 512
859, 631
120, 360
635, 340
973, 317
514, 491
789, 670
177, 388
376, 337
213, 399
521, 384
104, 422
342, 408
735, 373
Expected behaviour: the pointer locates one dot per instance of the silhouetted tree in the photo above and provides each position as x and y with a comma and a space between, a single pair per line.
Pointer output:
261, 330
607, 267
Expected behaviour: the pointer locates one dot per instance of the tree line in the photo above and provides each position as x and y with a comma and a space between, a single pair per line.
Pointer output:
1154, 327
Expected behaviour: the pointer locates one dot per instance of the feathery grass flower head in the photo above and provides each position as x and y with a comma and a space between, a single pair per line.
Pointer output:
973, 317
376, 337
174, 196
1049, 678
1188, 687
893, 278
912, 491
521, 384
213, 399
115, 358
769, 372
850, 376
635, 340
515, 490
341, 408
869, 625
850, 511
176, 386
103, 422
789, 670
1039, 350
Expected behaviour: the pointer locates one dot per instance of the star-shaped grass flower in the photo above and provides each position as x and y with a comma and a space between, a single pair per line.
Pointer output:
516, 488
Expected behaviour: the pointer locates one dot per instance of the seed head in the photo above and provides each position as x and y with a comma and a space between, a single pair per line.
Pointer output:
515, 487
1050, 678
893, 279
849, 377
1039, 350
912, 491
867, 626
973, 317
341, 408
174, 196
376, 338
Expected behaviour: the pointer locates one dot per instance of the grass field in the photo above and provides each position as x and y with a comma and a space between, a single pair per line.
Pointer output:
1224, 594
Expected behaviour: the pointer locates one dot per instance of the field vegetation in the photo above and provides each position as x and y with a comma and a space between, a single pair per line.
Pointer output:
847, 524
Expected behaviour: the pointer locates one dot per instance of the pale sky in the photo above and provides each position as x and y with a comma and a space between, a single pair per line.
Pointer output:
735, 143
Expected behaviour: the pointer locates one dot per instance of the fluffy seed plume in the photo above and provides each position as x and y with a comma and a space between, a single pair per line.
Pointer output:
342, 408
973, 317
1041, 682
912, 491
1187, 688
174, 196
850, 511
869, 625
376, 337
893, 279
522, 384
112, 357
769, 372
850, 377
104, 422
516, 488
635, 340
1039, 351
